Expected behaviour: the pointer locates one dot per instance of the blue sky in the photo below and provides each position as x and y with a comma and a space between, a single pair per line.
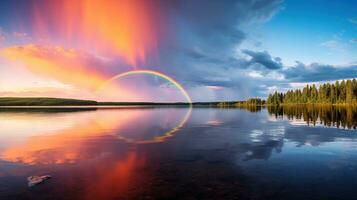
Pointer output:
313, 31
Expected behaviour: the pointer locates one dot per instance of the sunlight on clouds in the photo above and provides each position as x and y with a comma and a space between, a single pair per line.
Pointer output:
80, 75
76, 71
255, 74
214, 87
66, 65
124, 27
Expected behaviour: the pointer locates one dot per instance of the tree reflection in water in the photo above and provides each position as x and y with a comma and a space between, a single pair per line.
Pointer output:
327, 115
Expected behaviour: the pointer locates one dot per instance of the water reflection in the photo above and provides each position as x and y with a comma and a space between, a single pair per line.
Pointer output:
217, 154
67, 138
252, 108
338, 116
114, 179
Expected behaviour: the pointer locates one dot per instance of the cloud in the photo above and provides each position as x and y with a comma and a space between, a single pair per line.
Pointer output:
353, 21
65, 65
198, 47
214, 87
204, 51
319, 72
129, 29
20, 34
335, 44
218, 28
264, 59
84, 73
2, 38
255, 74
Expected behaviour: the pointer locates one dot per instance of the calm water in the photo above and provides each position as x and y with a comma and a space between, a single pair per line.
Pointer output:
178, 153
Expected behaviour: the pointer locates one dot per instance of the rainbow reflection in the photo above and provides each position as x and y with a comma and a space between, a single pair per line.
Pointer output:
169, 133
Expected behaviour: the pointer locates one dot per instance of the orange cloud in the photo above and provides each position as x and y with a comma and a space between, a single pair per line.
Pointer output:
34, 91
80, 70
126, 27
66, 65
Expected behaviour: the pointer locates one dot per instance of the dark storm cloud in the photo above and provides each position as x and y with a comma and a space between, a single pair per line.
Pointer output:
205, 50
215, 26
319, 72
264, 59
204, 43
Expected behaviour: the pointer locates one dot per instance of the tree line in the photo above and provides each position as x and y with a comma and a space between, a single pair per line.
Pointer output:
248, 102
340, 92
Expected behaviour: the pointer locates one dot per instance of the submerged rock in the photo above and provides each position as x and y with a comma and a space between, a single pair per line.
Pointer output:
34, 180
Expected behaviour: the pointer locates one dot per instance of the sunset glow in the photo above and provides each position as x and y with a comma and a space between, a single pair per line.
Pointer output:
81, 44
66, 65
126, 28
71, 47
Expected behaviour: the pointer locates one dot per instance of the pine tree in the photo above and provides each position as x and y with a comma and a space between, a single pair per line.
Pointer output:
329, 93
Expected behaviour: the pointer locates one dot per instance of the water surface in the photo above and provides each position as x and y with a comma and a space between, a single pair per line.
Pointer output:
179, 153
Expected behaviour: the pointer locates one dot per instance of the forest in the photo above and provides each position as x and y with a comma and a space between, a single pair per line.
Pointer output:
340, 92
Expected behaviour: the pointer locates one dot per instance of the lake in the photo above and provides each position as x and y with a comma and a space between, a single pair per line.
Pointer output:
179, 153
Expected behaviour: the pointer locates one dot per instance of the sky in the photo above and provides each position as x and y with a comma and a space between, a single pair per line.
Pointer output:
213, 50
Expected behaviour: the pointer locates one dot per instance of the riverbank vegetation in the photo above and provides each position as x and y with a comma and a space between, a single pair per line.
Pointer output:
248, 102
340, 92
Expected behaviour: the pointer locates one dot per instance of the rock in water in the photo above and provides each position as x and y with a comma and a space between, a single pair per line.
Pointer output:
34, 180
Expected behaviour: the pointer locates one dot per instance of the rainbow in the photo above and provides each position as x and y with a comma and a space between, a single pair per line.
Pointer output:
150, 72
169, 133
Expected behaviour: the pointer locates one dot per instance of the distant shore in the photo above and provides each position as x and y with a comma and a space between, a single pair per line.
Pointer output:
33, 102
64, 102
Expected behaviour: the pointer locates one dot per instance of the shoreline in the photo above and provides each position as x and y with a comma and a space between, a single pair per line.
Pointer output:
48, 102
159, 105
